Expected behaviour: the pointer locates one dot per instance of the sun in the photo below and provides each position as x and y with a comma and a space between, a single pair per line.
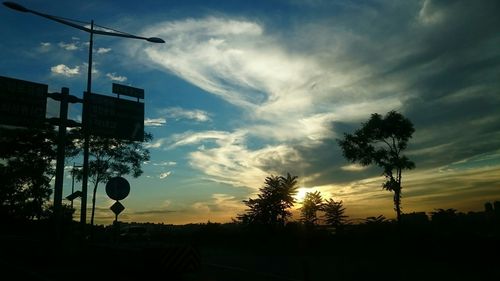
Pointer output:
301, 194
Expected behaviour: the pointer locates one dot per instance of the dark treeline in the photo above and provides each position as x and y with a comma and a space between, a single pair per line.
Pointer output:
443, 244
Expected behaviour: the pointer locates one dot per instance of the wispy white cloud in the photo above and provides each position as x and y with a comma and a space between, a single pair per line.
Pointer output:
182, 113
219, 203
158, 143
166, 163
189, 138
68, 46
299, 89
165, 174
228, 160
286, 97
114, 77
154, 122
62, 69
44, 47
354, 168
103, 50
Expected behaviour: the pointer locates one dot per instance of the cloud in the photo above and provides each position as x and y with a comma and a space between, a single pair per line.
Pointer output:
68, 46
225, 158
166, 163
103, 50
234, 60
154, 122
45, 44
164, 175
181, 113
65, 70
154, 212
156, 144
300, 89
285, 96
189, 138
114, 77
353, 168
219, 203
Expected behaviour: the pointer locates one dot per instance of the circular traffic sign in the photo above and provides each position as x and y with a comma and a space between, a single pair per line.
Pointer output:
117, 188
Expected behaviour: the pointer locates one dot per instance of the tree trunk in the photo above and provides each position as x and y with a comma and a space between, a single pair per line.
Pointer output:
397, 204
93, 204
397, 197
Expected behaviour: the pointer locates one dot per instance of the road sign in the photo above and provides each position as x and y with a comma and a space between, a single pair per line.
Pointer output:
22, 103
117, 188
74, 195
114, 118
128, 91
117, 208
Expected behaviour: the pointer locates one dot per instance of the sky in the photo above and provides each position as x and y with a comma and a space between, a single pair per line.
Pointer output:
246, 89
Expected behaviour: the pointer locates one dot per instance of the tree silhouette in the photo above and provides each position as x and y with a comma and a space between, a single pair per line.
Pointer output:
334, 214
112, 157
271, 207
26, 170
381, 141
311, 204
444, 216
380, 219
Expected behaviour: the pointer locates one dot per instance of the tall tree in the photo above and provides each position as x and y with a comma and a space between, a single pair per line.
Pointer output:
381, 141
26, 170
271, 207
311, 205
112, 157
334, 213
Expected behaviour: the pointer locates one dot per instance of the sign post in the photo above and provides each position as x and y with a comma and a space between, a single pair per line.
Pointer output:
117, 189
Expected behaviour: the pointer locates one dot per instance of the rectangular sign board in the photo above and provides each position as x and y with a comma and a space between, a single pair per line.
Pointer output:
22, 103
128, 91
113, 118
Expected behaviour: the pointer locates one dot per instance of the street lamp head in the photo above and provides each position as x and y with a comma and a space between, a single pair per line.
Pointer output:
16, 7
155, 40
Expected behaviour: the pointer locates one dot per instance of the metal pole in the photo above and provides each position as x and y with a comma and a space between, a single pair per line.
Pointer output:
61, 143
72, 183
83, 212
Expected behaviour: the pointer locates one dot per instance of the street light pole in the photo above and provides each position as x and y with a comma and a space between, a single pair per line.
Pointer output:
91, 31
86, 140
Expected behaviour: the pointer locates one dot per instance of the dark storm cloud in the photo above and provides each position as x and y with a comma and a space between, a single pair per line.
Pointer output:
441, 60
457, 100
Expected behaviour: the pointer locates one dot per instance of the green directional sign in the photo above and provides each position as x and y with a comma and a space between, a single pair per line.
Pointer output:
128, 91
22, 103
112, 117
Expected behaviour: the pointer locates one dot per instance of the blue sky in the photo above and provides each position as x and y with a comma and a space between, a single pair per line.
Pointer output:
245, 89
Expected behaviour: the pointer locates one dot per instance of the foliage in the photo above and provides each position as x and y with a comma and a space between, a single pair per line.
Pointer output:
271, 207
376, 220
334, 213
26, 170
66, 210
380, 141
110, 157
444, 216
311, 204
